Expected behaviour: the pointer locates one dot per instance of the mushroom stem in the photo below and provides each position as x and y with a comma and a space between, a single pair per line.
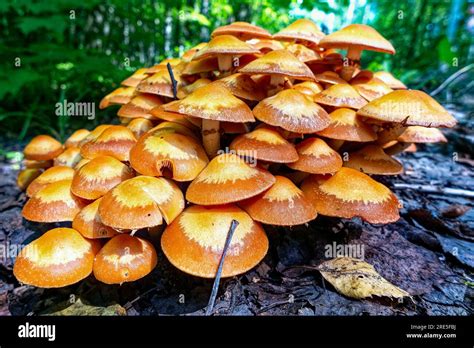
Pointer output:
390, 132
225, 64
353, 61
277, 82
335, 143
210, 137
397, 148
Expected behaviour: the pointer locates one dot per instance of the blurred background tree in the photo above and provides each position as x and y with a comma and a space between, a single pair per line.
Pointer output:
56, 50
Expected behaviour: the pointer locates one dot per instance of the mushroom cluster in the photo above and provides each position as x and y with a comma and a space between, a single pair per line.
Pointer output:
258, 128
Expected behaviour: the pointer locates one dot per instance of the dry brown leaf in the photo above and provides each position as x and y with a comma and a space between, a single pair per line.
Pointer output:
358, 279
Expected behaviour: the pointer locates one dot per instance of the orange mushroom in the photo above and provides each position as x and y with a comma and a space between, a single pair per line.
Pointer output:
27, 176
69, 158
242, 30
87, 222
342, 96
42, 148
194, 242
120, 96
372, 159
140, 106
301, 30
76, 138
58, 258
49, 176
135, 79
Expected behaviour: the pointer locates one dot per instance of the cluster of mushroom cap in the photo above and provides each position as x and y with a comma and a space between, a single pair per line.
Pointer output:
258, 128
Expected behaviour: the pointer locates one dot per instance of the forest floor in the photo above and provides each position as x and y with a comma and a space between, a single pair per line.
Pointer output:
429, 252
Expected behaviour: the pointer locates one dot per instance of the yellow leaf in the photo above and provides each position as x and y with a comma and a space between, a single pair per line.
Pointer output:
358, 279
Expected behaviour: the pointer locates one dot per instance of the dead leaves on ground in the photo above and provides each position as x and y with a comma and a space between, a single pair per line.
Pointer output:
358, 279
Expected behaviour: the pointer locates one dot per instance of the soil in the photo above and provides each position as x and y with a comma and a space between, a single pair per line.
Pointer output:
429, 252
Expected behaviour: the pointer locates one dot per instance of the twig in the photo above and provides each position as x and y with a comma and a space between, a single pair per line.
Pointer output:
451, 79
215, 286
435, 189
173, 81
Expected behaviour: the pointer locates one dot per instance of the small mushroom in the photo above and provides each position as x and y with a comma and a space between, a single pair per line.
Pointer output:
98, 176
225, 48
49, 176
166, 151
372, 89
266, 45
120, 96
87, 222
42, 148
185, 90
76, 138
136, 78
242, 86
301, 30
265, 144
69, 158
372, 159
341, 96
32, 164
212, 103
53, 203
139, 126
283, 204
141, 202
414, 134
242, 30
279, 64
124, 259
308, 88
226, 179
315, 156
389, 80
163, 64
160, 83
58, 258
303, 53
115, 141
140, 106
356, 38
292, 111
194, 242
350, 193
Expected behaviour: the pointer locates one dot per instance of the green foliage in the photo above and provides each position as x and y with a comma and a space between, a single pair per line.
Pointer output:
63, 49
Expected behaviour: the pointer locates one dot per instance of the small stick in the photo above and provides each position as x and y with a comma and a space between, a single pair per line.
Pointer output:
173, 81
435, 189
215, 286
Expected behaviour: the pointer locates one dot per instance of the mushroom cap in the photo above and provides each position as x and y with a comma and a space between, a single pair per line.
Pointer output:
371, 159
49, 176
227, 179
43, 148
178, 128
27, 176
87, 222
58, 258
265, 144
341, 95
141, 202
124, 259
163, 65
283, 204
224, 45
360, 36
115, 141
194, 242
301, 30
350, 193
135, 78
200, 66
184, 91
53, 203
291, 110
160, 83
390, 80
242, 30
279, 62
417, 134
119, 96
69, 158
330, 77
94, 134
75, 139
242, 86
140, 106
99, 176
345, 125
410, 107
308, 88
212, 102
159, 113
164, 149
315, 156
139, 126
372, 89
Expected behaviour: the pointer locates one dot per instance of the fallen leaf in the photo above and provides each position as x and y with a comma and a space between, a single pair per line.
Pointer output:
358, 279
455, 210
79, 308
